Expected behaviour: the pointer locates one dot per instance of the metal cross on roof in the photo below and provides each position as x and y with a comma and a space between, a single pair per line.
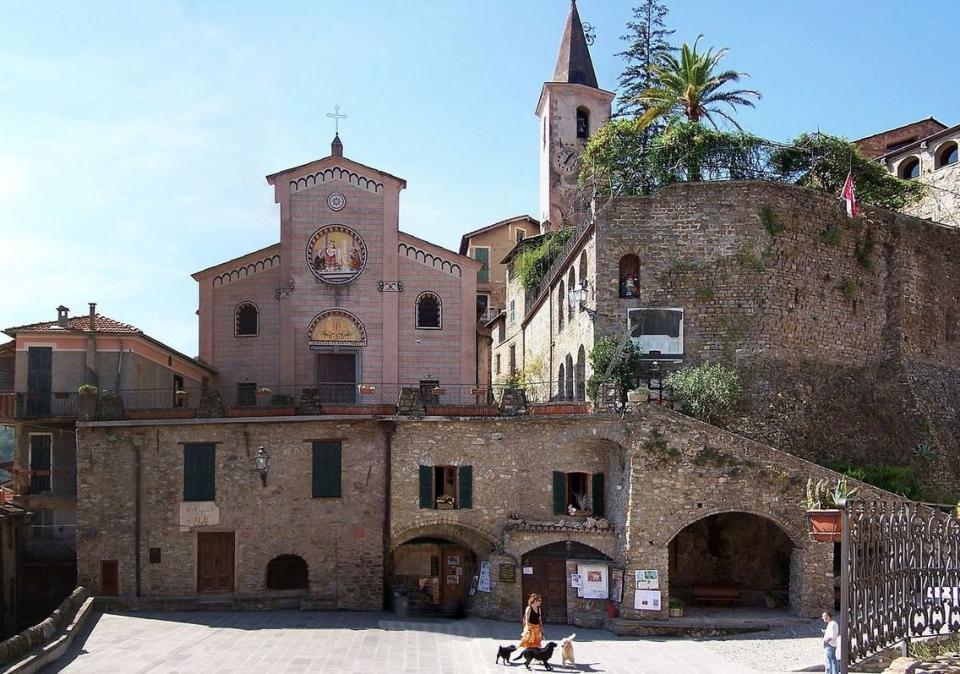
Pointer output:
336, 116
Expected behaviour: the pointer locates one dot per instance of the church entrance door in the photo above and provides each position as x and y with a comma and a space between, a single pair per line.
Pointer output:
337, 377
215, 562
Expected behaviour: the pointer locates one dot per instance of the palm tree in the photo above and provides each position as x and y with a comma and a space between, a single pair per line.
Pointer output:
691, 86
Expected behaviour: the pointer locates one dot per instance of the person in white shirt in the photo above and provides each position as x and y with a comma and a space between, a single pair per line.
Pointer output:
831, 639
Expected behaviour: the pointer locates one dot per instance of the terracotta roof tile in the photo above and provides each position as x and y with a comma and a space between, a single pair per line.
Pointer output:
79, 323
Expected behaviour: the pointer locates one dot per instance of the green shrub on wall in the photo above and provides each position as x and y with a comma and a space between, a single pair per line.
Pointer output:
605, 349
532, 264
706, 392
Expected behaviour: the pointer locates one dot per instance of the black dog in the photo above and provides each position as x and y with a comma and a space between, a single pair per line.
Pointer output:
504, 652
541, 654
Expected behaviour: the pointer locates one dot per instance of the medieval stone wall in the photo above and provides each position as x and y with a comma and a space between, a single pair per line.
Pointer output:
339, 538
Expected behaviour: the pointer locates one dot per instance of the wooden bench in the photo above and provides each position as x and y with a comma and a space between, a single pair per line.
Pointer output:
717, 594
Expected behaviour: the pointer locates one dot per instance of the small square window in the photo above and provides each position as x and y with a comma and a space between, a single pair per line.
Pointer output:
154, 555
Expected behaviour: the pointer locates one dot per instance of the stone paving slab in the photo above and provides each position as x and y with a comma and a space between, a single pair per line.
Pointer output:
294, 641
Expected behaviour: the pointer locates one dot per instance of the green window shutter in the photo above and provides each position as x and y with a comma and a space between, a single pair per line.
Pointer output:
199, 472
426, 487
598, 496
482, 255
465, 487
559, 493
326, 469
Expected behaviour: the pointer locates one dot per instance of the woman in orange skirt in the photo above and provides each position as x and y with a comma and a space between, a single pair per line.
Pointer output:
532, 633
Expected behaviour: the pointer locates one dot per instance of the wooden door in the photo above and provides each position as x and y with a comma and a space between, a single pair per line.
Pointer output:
109, 577
337, 377
215, 562
549, 580
454, 567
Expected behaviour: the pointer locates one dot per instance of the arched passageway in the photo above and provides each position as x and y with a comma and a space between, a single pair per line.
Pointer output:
434, 573
547, 569
731, 559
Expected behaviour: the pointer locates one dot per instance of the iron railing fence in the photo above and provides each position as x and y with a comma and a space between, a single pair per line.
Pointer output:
51, 404
47, 544
56, 482
900, 576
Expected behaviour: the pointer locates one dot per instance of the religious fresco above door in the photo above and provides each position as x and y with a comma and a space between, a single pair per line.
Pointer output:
336, 328
336, 254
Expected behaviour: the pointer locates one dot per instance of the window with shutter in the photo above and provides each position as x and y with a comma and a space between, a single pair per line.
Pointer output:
426, 487
482, 255
465, 487
199, 472
597, 497
559, 493
327, 469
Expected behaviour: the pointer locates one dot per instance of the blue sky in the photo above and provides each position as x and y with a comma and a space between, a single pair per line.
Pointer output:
135, 137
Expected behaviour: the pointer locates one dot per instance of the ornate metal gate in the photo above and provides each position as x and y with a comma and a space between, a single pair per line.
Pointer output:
900, 576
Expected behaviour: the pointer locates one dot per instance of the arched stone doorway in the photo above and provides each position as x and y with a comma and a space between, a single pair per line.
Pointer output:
434, 573
731, 559
288, 572
546, 571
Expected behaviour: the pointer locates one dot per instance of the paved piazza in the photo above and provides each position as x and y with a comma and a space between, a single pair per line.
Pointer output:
291, 641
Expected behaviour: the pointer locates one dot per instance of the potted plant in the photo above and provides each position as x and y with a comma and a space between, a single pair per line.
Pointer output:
446, 502
675, 607
87, 389
584, 505
182, 396
822, 514
367, 389
263, 392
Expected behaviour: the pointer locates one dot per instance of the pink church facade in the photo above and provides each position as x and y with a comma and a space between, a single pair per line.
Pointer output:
345, 303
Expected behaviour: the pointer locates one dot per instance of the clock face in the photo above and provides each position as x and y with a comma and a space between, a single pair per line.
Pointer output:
336, 201
567, 160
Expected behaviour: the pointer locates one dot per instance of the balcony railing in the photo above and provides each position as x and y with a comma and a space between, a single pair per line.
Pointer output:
47, 544
41, 405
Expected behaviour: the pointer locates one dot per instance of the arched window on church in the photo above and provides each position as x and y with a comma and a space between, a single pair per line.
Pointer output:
561, 382
909, 168
580, 376
583, 123
629, 276
429, 311
582, 271
247, 320
571, 285
568, 382
561, 303
947, 154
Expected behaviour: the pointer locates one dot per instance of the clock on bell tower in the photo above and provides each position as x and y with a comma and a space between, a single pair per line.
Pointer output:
571, 108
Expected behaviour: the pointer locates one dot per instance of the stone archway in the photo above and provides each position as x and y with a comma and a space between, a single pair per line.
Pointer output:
546, 571
433, 566
733, 558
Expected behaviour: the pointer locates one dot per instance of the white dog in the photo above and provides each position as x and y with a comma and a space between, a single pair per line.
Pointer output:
566, 650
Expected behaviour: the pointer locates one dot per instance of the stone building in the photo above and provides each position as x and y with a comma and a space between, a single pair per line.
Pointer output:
59, 371
457, 514
488, 245
926, 151
344, 299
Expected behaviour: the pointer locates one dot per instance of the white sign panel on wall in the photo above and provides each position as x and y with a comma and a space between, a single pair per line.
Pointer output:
483, 583
647, 600
594, 581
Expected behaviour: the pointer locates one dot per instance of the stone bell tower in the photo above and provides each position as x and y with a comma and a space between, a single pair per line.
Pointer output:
571, 108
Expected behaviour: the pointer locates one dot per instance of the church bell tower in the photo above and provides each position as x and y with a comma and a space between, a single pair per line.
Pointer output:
571, 108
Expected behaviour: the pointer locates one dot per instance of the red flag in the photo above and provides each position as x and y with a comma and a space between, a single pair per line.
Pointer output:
849, 195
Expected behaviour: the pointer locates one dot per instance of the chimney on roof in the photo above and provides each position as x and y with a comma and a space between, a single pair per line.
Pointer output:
336, 147
93, 317
63, 313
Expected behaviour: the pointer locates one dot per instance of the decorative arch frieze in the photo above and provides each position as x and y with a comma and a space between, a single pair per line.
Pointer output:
335, 173
249, 269
429, 259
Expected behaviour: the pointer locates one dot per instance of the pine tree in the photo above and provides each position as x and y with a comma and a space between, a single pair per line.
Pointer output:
648, 40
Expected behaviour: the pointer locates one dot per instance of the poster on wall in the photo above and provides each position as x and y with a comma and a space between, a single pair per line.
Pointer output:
575, 580
616, 585
647, 579
453, 580
647, 600
473, 586
483, 583
453, 560
594, 581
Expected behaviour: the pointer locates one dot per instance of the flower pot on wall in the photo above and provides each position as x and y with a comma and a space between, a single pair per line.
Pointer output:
824, 525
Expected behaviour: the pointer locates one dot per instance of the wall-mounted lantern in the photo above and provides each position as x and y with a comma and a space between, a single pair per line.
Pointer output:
262, 460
